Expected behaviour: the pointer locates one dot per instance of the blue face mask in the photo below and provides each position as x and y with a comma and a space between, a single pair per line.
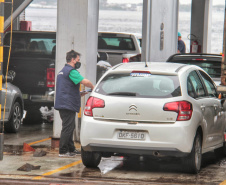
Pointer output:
77, 65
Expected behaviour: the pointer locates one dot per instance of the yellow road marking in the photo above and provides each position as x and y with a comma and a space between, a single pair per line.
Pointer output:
39, 141
223, 183
57, 170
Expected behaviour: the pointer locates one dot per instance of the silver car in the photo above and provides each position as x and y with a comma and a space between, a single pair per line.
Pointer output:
165, 109
12, 113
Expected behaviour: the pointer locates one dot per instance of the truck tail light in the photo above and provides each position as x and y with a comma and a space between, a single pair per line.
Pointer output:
92, 103
125, 60
50, 77
183, 108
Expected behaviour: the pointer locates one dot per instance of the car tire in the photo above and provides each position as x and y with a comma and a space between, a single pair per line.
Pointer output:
90, 159
194, 159
220, 152
13, 125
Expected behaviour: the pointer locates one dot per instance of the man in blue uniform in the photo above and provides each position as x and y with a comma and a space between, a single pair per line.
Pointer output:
181, 44
68, 101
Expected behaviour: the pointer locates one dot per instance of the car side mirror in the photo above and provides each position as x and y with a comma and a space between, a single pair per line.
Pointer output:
9, 78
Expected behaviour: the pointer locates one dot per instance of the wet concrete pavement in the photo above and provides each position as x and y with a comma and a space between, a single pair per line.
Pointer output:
114, 170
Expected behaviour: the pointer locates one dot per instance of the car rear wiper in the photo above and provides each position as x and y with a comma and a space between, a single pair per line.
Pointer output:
123, 93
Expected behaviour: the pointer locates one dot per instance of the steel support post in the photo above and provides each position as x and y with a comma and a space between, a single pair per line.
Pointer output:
1, 61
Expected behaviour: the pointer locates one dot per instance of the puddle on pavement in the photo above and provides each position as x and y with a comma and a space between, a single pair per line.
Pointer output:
13, 149
120, 168
18, 149
72, 174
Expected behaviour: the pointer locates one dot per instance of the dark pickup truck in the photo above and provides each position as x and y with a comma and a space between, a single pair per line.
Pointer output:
32, 66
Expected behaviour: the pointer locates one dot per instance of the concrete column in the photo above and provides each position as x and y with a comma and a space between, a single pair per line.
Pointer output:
77, 29
159, 29
201, 23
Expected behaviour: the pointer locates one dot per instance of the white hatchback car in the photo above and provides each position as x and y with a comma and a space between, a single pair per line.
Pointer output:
165, 109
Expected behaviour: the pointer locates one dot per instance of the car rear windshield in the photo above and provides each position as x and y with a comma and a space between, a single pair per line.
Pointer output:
31, 44
115, 43
140, 85
213, 68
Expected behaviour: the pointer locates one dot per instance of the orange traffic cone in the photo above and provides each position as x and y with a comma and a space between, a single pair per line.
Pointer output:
28, 148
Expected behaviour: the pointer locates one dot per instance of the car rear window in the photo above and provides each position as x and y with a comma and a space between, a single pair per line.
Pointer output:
213, 68
140, 85
115, 43
31, 44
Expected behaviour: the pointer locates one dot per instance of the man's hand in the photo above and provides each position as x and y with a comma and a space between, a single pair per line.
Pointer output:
83, 93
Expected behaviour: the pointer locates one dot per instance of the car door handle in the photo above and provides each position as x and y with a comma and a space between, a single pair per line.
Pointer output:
202, 107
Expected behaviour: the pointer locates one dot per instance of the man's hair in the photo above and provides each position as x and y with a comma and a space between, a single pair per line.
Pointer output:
72, 54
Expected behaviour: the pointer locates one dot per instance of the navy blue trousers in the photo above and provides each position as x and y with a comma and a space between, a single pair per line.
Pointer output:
68, 126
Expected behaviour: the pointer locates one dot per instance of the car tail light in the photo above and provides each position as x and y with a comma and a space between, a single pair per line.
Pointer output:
199, 59
141, 72
125, 60
92, 103
183, 108
50, 77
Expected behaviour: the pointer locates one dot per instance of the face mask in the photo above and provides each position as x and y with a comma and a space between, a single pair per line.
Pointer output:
77, 65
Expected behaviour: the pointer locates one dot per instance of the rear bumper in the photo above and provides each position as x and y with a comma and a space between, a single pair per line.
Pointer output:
36, 101
159, 152
28, 104
168, 139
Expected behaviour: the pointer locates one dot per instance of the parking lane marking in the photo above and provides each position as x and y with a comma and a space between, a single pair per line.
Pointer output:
223, 183
39, 141
57, 170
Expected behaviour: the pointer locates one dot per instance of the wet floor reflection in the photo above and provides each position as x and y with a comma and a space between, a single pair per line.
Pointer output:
156, 170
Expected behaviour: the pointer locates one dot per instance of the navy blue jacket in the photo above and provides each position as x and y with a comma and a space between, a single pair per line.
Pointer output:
67, 94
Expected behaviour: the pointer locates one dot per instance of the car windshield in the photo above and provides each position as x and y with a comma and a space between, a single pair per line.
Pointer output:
213, 68
140, 85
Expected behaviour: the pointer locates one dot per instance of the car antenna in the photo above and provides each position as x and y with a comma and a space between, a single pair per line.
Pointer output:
146, 65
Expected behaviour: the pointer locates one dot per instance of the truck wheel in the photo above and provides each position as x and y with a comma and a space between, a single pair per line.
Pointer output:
220, 152
13, 125
90, 159
194, 159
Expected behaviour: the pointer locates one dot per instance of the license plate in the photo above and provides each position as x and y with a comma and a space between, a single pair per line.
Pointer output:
131, 135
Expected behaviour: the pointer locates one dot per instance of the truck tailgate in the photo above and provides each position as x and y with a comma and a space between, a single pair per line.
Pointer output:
114, 58
30, 73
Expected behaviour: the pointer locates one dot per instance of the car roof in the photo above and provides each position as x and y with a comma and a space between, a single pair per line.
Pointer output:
193, 56
115, 34
153, 67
